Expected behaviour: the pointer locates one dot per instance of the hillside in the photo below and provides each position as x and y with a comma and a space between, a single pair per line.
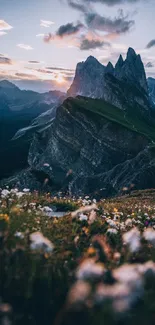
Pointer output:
132, 118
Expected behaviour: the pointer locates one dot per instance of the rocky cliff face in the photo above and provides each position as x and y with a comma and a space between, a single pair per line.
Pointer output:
88, 79
126, 83
151, 85
85, 153
96, 146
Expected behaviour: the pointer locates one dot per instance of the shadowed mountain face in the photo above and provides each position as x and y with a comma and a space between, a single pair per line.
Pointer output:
151, 85
96, 145
17, 110
126, 82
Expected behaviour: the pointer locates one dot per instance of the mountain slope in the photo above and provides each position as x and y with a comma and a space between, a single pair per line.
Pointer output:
89, 146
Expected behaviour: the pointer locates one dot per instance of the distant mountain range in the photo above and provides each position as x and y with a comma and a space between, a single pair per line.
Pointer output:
18, 108
103, 136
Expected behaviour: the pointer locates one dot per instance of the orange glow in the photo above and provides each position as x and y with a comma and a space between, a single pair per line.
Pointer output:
60, 79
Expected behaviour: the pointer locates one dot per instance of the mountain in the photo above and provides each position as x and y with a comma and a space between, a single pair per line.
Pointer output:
151, 85
121, 85
18, 109
91, 147
18, 100
88, 79
95, 145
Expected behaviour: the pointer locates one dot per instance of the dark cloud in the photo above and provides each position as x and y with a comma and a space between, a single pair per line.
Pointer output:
43, 71
35, 62
60, 69
150, 44
68, 29
5, 60
25, 76
82, 4
118, 25
149, 65
76, 5
87, 44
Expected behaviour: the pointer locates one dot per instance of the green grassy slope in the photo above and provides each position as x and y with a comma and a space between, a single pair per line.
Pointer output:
132, 118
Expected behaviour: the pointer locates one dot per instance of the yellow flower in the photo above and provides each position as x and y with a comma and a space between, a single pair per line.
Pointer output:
115, 210
4, 217
91, 251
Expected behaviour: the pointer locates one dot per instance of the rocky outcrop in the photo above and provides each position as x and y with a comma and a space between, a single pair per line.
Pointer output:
85, 153
151, 85
88, 79
120, 86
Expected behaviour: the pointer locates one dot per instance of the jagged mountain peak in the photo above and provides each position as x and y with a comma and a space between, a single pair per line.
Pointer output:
109, 68
131, 53
92, 60
7, 84
120, 62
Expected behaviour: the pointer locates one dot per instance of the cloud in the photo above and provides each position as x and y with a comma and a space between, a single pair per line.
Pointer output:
150, 44
2, 33
48, 37
43, 71
46, 23
77, 5
63, 31
81, 4
69, 29
87, 44
5, 60
118, 25
149, 65
4, 25
40, 35
25, 76
25, 47
60, 69
34, 62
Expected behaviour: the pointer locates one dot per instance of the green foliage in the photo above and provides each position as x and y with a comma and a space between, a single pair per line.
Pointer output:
37, 284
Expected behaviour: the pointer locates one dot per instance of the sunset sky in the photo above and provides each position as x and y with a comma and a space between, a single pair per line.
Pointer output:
42, 40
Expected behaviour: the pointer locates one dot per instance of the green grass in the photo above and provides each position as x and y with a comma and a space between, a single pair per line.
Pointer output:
132, 118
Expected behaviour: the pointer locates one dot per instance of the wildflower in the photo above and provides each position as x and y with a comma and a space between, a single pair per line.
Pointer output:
149, 235
39, 242
26, 190
19, 234
132, 239
128, 223
85, 209
79, 292
4, 217
112, 231
83, 217
5, 193
92, 217
111, 223
89, 270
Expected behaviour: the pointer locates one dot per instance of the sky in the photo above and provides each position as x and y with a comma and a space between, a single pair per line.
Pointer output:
41, 41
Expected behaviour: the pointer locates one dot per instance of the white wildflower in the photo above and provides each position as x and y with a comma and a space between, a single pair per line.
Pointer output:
26, 190
112, 231
19, 234
39, 242
79, 292
83, 217
128, 223
132, 239
85, 209
149, 235
5, 193
89, 269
